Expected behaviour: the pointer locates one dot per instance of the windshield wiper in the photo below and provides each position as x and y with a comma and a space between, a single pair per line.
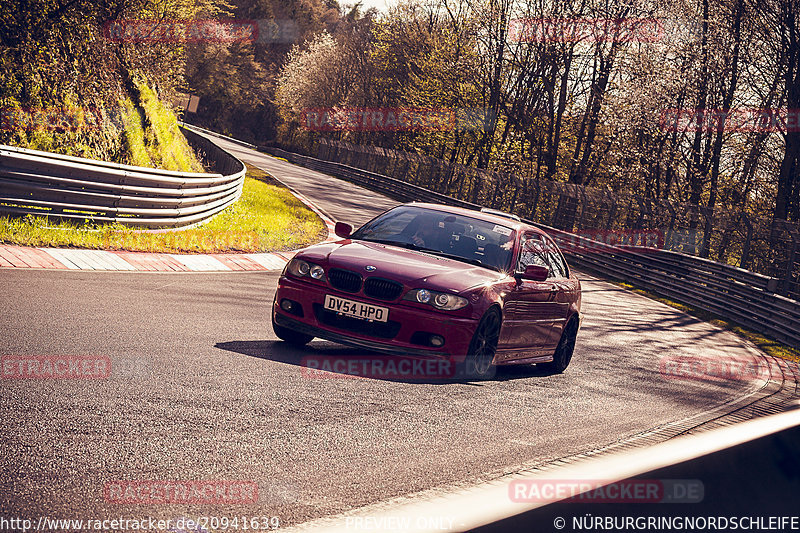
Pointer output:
394, 243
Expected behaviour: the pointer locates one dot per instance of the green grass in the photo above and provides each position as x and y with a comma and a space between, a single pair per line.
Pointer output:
140, 131
767, 345
133, 123
161, 145
266, 218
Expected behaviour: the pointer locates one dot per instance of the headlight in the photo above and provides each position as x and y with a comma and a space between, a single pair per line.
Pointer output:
449, 302
301, 269
439, 300
317, 272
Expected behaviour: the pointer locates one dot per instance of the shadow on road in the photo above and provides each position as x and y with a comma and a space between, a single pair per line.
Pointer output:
323, 360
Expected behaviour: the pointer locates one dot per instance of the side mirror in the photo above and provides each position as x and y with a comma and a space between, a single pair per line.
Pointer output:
535, 273
343, 230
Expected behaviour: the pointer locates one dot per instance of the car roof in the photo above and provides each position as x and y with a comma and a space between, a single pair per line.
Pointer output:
474, 213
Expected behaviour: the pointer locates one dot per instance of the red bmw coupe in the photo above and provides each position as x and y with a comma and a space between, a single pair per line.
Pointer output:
478, 287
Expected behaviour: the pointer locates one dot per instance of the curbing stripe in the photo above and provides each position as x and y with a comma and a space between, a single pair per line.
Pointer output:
222, 258
200, 263
4, 263
26, 257
118, 261
270, 261
165, 262
102, 260
140, 261
12, 257
58, 255
79, 260
238, 262
47, 259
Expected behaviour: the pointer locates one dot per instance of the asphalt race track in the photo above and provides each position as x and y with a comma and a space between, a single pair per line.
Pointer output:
201, 389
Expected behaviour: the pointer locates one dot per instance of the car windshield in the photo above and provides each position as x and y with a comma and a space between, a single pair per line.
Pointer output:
464, 238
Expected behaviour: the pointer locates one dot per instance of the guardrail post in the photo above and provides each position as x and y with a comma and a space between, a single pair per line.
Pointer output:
745, 259
788, 279
640, 216
582, 216
612, 210
708, 228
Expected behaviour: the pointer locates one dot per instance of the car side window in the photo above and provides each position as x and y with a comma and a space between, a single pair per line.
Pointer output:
531, 253
558, 267
540, 251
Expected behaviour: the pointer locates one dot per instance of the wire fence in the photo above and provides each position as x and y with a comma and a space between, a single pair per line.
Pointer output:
770, 247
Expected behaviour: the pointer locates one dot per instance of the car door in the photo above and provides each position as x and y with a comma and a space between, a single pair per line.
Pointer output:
565, 287
531, 307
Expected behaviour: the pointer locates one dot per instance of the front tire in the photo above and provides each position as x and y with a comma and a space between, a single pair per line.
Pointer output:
566, 345
294, 338
483, 346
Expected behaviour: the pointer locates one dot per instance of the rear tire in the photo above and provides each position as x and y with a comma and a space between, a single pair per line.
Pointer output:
483, 346
294, 338
566, 345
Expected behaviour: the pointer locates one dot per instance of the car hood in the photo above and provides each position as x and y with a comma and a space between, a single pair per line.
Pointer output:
410, 267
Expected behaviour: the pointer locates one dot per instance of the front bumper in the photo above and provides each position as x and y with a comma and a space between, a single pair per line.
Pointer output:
396, 337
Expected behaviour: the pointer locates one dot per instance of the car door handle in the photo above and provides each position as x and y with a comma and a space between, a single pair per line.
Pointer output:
553, 293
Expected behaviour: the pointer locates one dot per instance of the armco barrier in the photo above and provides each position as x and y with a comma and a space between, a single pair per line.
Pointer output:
44, 183
246, 144
742, 296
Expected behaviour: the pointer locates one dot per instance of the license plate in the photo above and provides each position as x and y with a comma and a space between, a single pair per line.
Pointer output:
356, 309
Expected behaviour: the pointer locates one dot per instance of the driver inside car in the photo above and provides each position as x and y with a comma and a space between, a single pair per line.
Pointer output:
426, 234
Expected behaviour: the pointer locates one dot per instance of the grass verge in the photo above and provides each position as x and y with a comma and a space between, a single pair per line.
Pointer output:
767, 345
152, 136
267, 218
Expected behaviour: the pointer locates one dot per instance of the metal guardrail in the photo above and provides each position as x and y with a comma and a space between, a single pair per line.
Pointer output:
744, 297
44, 183
215, 134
